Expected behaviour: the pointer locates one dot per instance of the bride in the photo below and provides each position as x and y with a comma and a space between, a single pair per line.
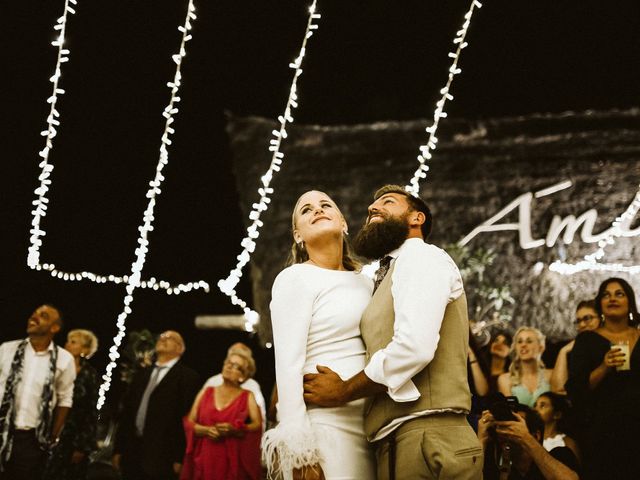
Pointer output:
315, 311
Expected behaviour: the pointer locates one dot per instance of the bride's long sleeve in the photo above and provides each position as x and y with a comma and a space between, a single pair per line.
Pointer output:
292, 443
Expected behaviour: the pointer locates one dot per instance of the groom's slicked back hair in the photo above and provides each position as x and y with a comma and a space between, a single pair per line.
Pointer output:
416, 204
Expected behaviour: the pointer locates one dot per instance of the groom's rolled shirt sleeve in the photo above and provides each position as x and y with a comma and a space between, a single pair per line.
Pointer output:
424, 280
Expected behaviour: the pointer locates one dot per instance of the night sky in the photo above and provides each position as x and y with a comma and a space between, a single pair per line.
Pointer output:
370, 60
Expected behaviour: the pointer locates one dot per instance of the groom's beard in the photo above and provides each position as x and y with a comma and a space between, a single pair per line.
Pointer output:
377, 239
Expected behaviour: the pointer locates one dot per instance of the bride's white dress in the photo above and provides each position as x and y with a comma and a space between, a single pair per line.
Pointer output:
315, 315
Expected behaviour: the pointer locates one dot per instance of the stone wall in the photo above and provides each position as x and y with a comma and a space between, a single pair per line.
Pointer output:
477, 170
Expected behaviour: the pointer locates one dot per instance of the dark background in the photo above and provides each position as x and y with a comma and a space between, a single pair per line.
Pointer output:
370, 60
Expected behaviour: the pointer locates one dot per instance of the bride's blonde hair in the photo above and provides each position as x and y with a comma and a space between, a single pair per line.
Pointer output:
298, 253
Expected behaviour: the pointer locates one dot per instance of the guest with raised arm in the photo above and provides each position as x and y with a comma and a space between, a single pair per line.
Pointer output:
604, 384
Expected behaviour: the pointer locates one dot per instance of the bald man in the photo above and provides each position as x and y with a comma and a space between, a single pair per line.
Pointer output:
150, 442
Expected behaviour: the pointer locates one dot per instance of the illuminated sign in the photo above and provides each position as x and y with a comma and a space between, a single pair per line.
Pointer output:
569, 224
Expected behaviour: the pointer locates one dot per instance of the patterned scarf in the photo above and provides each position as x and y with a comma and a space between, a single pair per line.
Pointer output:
8, 410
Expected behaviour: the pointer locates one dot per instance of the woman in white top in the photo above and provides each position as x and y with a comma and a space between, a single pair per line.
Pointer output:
315, 312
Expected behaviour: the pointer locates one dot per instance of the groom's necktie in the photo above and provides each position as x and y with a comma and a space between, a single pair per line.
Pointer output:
382, 270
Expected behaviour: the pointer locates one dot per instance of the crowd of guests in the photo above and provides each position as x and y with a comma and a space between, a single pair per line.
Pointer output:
48, 415
577, 420
170, 425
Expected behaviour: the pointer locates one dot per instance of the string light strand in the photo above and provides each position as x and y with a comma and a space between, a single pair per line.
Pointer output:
454, 69
53, 123
154, 190
228, 285
591, 262
41, 202
151, 283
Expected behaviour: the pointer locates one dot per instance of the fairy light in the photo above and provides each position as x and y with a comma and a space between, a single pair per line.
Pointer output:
454, 69
154, 190
41, 202
228, 285
151, 283
591, 262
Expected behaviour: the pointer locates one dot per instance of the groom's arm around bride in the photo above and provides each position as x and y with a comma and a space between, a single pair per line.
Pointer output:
416, 334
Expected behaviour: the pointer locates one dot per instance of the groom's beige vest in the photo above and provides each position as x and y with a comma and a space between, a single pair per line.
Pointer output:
442, 383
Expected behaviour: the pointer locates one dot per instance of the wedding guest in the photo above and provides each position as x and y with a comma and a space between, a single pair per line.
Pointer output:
527, 377
586, 319
513, 449
553, 409
150, 440
36, 388
223, 428
70, 459
604, 384
499, 361
249, 383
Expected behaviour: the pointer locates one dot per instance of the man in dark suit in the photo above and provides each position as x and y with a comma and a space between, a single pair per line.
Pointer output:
150, 442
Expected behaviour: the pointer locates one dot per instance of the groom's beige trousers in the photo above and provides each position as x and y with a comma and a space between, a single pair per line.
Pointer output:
440, 446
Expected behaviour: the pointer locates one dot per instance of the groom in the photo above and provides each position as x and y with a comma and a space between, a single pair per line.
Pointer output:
415, 329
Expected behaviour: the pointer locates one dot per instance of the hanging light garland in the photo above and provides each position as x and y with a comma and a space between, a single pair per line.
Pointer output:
134, 280
228, 285
454, 69
41, 202
591, 262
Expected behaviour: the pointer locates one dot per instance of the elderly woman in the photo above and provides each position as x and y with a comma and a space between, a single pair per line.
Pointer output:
527, 377
223, 428
586, 319
604, 384
70, 458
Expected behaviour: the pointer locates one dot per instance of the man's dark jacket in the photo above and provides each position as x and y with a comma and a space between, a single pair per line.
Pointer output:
163, 441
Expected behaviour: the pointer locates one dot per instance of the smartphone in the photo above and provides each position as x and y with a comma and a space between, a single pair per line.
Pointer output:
501, 409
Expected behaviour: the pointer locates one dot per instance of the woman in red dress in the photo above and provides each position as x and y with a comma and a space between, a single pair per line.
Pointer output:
223, 429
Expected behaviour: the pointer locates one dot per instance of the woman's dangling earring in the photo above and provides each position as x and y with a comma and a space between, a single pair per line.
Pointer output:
630, 317
601, 319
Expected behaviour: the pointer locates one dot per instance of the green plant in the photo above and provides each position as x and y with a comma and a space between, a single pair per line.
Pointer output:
137, 353
490, 305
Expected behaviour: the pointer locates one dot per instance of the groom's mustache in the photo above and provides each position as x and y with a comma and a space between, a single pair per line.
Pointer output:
382, 215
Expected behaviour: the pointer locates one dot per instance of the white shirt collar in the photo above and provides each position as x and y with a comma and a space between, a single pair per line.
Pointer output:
43, 352
395, 253
168, 364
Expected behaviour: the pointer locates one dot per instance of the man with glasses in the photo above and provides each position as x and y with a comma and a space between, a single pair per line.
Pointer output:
248, 384
150, 442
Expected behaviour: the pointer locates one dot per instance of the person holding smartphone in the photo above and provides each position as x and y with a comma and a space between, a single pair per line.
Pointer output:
513, 448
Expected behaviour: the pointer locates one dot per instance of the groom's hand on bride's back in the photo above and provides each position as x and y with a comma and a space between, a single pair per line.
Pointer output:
325, 388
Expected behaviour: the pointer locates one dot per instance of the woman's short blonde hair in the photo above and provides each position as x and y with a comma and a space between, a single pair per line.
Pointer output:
89, 340
251, 363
